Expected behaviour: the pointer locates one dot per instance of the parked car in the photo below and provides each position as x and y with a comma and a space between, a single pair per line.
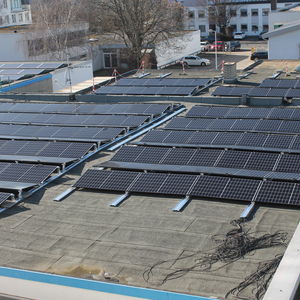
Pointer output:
195, 61
239, 35
233, 46
259, 55
204, 46
217, 44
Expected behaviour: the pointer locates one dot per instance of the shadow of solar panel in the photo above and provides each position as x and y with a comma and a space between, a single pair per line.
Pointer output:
275, 92
222, 91
77, 150
148, 183
244, 124
178, 156
177, 184
178, 123
31, 148
268, 125
290, 127
221, 124
155, 136
152, 155
178, 137
4, 197
275, 192
92, 179
119, 181
258, 92
289, 163
198, 111
217, 112
269, 83
155, 109
295, 199
295, 93
240, 91
262, 161
227, 138
240, 189
37, 174
209, 186
201, 138
234, 159
199, 124
281, 113
238, 112
287, 83
128, 153
253, 139
14, 172
278, 141
205, 157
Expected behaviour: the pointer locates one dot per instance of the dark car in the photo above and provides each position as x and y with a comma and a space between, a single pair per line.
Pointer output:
233, 46
259, 55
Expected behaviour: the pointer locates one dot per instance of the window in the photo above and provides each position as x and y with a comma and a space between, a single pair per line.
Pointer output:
7, 19
1, 21
265, 12
202, 28
191, 14
254, 12
13, 18
27, 16
233, 12
265, 27
5, 3
254, 28
201, 14
244, 13
244, 27
233, 27
15, 4
20, 17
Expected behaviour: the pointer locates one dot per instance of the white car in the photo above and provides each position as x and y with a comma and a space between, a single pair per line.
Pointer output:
239, 35
195, 61
204, 46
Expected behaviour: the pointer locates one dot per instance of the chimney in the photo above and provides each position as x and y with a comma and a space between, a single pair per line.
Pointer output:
273, 5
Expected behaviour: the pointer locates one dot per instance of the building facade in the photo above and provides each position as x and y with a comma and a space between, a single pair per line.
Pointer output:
249, 16
14, 13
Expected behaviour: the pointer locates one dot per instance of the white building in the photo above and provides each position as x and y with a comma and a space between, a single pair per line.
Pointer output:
284, 34
249, 16
14, 12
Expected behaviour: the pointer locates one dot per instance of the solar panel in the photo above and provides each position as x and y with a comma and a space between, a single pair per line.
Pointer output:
134, 121
155, 109
268, 125
287, 83
14, 172
11, 147
222, 91
244, 125
295, 199
77, 150
234, 159
269, 83
289, 163
238, 112
148, 183
202, 138
178, 156
152, 155
221, 124
259, 92
54, 149
261, 161
205, 157
209, 186
199, 124
217, 112
227, 138
240, 189
37, 174
278, 141
4, 197
290, 127
280, 113
295, 116
178, 137
198, 111
180, 123
294, 93
31, 148
275, 192
127, 153
155, 136
277, 92
118, 181
92, 179
177, 184
296, 143
256, 112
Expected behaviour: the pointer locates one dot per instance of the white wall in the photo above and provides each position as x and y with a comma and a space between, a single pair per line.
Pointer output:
283, 17
285, 46
79, 72
12, 47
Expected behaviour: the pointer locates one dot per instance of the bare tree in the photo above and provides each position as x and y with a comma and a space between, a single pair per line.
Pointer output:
57, 26
139, 23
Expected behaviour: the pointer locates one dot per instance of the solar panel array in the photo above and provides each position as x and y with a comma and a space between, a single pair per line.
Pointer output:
256, 92
203, 186
45, 137
94, 109
281, 83
32, 65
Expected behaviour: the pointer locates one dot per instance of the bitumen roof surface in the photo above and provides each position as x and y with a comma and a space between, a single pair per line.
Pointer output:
83, 236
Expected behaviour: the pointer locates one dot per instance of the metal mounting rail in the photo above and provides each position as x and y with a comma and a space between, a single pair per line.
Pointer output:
247, 211
120, 199
119, 141
181, 204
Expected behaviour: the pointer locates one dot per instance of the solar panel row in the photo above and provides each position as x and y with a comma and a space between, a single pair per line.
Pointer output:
243, 112
256, 92
193, 82
280, 126
32, 65
27, 173
124, 109
236, 159
75, 120
44, 148
58, 132
23, 72
281, 83
146, 90
215, 187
